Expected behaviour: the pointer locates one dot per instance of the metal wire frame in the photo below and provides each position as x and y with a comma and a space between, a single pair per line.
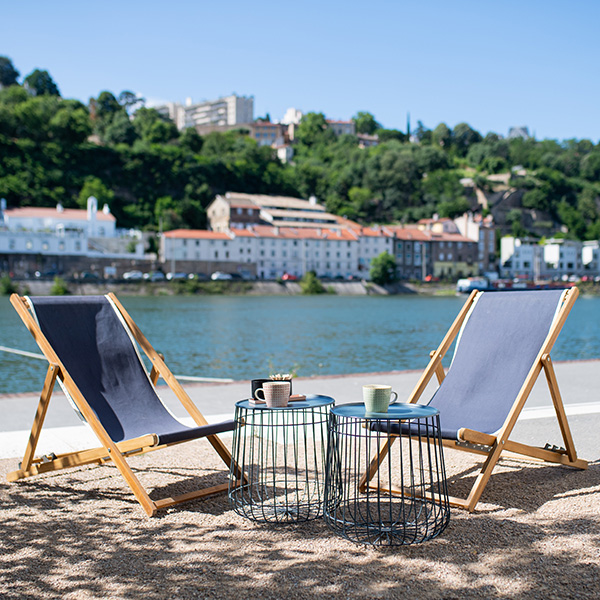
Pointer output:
282, 454
406, 501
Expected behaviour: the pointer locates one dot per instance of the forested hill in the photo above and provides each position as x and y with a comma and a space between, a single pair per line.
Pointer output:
128, 156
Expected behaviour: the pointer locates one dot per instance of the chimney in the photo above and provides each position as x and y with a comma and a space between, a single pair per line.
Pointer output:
60, 208
313, 200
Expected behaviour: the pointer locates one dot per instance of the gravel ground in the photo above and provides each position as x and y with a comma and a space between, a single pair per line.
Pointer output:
81, 534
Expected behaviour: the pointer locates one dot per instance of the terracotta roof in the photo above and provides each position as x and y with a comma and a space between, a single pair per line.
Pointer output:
197, 234
69, 214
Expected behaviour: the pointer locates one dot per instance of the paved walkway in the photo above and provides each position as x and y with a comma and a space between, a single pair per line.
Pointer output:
579, 382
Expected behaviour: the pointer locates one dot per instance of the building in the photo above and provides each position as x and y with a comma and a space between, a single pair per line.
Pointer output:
38, 238
278, 211
266, 251
60, 220
232, 211
481, 230
551, 259
266, 133
590, 258
412, 251
226, 113
341, 127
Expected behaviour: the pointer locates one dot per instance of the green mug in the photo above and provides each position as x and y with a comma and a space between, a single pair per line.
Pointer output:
377, 398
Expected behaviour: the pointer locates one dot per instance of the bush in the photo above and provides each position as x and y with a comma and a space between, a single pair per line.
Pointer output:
7, 287
310, 284
59, 287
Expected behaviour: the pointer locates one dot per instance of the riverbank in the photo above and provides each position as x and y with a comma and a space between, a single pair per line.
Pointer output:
251, 288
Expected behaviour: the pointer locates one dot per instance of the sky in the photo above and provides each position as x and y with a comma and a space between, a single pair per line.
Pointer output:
491, 64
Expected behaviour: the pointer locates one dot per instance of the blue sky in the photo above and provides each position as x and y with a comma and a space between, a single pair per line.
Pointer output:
492, 64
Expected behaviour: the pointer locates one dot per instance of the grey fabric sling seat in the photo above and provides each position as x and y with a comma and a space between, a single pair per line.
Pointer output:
90, 342
503, 342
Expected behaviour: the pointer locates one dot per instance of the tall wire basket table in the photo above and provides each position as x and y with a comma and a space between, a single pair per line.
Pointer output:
281, 453
385, 475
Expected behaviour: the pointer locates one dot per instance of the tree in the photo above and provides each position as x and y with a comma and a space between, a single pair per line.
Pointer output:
152, 127
39, 83
442, 136
128, 100
365, 123
313, 130
92, 186
463, 137
383, 269
8, 74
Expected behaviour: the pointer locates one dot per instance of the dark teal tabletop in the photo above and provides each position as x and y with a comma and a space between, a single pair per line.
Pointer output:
312, 401
399, 410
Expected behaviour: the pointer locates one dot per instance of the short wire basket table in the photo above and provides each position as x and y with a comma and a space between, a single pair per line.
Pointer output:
281, 452
385, 475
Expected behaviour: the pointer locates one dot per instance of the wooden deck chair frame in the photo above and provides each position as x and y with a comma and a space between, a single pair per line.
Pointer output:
493, 446
109, 450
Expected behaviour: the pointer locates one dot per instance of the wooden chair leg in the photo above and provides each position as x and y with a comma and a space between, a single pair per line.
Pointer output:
40, 415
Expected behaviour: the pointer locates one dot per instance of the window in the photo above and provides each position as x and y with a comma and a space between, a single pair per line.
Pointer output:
11, 244
240, 211
216, 254
45, 246
29, 244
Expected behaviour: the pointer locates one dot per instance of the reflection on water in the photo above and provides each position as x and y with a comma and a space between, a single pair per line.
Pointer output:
244, 337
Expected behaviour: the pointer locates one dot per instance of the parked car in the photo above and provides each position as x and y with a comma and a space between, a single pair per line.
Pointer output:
154, 276
47, 274
198, 276
89, 276
133, 275
288, 277
220, 276
173, 276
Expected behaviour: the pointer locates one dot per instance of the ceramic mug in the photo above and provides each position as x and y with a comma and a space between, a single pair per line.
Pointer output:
377, 398
258, 383
275, 393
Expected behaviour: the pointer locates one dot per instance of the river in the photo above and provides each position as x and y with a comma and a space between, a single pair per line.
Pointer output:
241, 337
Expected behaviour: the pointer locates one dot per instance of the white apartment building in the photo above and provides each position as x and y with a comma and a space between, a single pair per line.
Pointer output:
554, 259
372, 241
59, 220
590, 257
520, 258
64, 232
272, 250
221, 113
230, 110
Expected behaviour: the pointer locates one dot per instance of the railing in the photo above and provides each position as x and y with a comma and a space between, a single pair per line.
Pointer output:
182, 377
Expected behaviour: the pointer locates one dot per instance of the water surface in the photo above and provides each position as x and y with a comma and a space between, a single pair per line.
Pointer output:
242, 337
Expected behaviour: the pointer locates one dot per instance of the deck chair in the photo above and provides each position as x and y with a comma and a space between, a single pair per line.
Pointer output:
504, 342
90, 344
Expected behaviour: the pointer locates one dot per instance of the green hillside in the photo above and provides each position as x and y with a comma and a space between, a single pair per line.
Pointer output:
59, 150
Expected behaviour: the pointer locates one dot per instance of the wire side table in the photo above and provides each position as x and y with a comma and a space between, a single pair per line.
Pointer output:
281, 452
385, 475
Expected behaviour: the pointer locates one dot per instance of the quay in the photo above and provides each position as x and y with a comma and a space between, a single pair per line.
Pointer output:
579, 382
80, 533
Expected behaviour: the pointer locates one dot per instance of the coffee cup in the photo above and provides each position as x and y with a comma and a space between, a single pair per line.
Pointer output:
377, 398
258, 383
275, 393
